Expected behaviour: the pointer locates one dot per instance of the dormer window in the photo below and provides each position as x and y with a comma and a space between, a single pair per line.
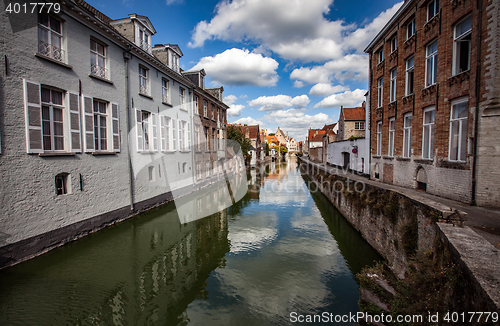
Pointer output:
202, 81
175, 62
144, 40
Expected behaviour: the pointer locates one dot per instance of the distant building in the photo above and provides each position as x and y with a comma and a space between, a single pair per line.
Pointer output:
434, 99
351, 123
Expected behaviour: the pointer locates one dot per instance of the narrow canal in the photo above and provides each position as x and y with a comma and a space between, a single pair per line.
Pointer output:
281, 249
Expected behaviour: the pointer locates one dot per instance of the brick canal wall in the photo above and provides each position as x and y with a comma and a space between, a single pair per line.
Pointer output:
398, 225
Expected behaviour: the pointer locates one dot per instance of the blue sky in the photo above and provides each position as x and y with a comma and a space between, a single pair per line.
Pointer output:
287, 63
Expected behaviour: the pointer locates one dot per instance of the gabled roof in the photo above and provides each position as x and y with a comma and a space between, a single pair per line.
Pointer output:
329, 127
316, 134
353, 114
253, 131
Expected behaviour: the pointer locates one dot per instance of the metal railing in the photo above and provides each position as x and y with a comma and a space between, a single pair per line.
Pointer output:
144, 90
50, 51
98, 71
145, 46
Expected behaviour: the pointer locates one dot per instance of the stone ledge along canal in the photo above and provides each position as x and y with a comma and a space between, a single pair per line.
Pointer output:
282, 249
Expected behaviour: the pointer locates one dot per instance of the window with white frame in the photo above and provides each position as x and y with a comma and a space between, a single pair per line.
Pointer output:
63, 184
428, 133
213, 111
431, 64
143, 80
393, 84
432, 9
410, 73
394, 44
359, 125
100, 125
165, 133
196, 104
407, 120
462, 45
182, 98
165, 91
205, 108
144, 40
410, 29
379, 138
458, 130
98, 59
198, 171
50, 37
197, 138
380, 55
174, 134
52, 119
147, 133
392, 123
182, 135
206, 138
380, 89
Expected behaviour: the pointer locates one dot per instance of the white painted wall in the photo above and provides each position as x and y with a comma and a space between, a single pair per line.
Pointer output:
335, 157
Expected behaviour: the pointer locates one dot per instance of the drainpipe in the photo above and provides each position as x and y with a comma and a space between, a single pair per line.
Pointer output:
127, 56
476, 112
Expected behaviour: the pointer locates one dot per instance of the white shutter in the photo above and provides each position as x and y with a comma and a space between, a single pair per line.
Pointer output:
74, 122
154, 125
181, 135
115, 121
188, 137
88, 124
138, 130
163, 137
174, 137
33, 113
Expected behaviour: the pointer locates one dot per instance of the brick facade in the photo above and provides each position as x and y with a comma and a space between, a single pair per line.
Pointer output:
447, 175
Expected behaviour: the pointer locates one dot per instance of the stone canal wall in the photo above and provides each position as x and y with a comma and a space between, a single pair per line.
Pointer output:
398, 225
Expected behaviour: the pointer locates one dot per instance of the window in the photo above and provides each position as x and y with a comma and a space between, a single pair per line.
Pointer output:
214, 144
391, 136
205, 113
213, 111
410, 72
431, 64
98, 59
407, 135
197, 138
165, 135
198, 171
100, 125
207, 169
151, 170
164, 91
462, 46
62, 184
380, 88
410, 29
52, 120
359, 125
175, 62
394, 44
50, 37
393, 84
206, 138
196, 106
380, 55
147, 134
379, 138
182, 135
182, 98
432, 9
428, 134
144, 40
143, 80
458, 130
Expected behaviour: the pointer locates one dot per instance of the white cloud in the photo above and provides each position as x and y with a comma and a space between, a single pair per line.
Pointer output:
323, 89
296, 122
298, 84
230, 99
240, 67
174, 2
235, 110
279, 102
350, 67
248, 121
347, 99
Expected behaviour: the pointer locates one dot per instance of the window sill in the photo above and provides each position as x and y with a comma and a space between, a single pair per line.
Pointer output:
183, 109
376, 156
185, 151
167, 104
146, 95
53, 60
404, 159
56, 154
101, 79
206, 118
148, 152
388, 157
103, 153
168, 152
424, 161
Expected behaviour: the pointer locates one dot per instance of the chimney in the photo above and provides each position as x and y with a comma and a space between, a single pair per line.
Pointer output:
160, 52
363, 105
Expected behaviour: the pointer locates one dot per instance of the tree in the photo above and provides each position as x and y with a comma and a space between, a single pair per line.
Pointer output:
267, 149
272, 134
236, 134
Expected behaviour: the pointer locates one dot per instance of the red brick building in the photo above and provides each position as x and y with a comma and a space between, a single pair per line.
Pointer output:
434, 99
209, 127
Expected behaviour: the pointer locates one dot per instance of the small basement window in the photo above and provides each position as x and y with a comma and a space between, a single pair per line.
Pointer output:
62, 184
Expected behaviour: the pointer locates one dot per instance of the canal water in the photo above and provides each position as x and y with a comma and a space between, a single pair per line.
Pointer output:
281, 250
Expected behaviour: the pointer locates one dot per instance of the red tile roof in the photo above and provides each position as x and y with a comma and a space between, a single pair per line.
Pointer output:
354, 114
316, 134
329, 127
253, 131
